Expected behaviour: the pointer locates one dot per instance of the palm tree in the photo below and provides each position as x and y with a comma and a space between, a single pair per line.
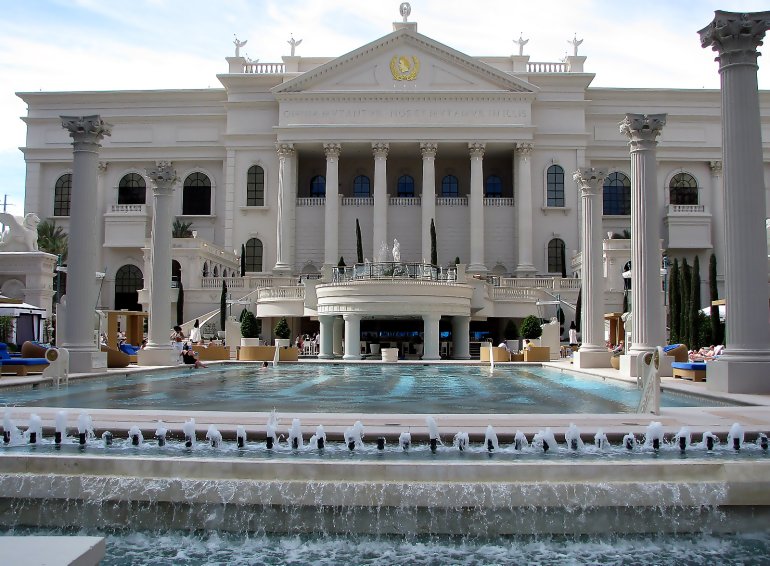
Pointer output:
180, 229
52, 239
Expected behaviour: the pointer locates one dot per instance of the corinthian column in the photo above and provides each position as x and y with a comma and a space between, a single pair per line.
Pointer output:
647, 322
476, 206
525, 267
717, 215
159, 351
285, 223
380, 219
592, 352
428, 200
82, 291
745, 365
332, 205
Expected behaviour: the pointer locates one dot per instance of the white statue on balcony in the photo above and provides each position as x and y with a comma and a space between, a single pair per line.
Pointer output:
396, 251
21, 232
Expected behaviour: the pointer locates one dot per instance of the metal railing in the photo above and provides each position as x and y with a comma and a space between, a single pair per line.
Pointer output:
389, 270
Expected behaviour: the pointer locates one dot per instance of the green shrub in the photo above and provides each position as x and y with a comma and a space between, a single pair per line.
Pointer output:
511, 332
282, 329
250, 326
530, 328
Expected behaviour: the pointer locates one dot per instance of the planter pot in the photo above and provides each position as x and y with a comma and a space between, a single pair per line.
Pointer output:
283, 342
250, 342
374, 348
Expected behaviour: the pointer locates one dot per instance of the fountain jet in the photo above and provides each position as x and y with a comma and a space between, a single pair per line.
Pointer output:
35, 429
405, 440
85, 428
683, 439
762, 441
214, 436
11, 433
600, 440
520, 441
490, 439
61, 427
135, 434
461, 441
735, 436
295, 435
709, 440
572, 437
433, 434
107, 438
160, 433
354, 436
270, 428
240, 436
654, 435
188, 429
629, 441
318, 440
546, 439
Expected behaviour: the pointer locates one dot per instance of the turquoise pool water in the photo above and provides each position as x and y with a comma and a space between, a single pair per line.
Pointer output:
350, 388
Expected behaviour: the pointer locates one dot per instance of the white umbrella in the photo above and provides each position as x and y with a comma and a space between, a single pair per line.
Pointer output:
707, 312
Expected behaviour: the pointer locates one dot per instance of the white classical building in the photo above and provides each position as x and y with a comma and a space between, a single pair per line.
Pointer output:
286, 159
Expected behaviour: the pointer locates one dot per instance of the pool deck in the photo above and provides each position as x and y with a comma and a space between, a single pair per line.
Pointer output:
753, 415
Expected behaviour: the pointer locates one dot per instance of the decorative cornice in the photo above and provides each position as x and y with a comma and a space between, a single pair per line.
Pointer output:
642, 129
86, 129
428, 149
163, 177
476, 149
380, 149
735, 36
589, 180
332, 150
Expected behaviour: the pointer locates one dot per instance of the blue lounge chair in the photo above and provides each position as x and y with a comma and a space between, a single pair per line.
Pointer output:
20, 366
690, 370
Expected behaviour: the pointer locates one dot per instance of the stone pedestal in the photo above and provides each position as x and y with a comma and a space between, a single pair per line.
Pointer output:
592, 359
628, 364
35, 270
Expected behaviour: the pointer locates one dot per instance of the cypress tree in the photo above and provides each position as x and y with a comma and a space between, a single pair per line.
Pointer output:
223, 306
716, 325
359, 245
579, 309
684, 325
180, 304
674, 305
433, 251
243, 260
694, 306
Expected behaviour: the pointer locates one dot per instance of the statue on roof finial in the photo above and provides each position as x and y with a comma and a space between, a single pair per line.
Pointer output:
238, 45
293, 42
405, 9
575, 43
522, 42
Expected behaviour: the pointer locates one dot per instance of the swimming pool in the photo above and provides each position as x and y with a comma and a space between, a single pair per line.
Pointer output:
351, 388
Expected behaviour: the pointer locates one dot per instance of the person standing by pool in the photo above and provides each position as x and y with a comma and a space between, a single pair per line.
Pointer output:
573, 334
195, 333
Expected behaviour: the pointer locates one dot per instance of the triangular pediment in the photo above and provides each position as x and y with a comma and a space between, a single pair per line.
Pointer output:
405, 61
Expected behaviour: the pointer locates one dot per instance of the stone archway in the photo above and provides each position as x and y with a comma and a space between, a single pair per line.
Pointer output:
128, 281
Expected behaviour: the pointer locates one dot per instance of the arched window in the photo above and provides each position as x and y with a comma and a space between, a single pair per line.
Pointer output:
555, 186
62, 194
255, 186
362, 186
205, 269
128, 280
224, 272
556, 258
132, 189
216, 271
176, 273
318, 186
493, 188
683, 189
196, 195
253, 257
617, 194
449, 186
405, 187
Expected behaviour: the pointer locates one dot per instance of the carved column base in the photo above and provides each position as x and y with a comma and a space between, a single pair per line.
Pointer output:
157, 357
87, 361
729, 376
590, 359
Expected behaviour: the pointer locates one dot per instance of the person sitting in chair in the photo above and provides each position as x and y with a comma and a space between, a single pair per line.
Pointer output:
191, 358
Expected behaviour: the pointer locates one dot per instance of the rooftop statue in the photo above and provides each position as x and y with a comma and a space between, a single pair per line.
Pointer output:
405, 9
575, 44
293, 42
238, 45
522, 42
21, 235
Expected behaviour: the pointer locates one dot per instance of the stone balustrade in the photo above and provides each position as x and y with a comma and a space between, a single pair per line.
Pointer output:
264, 68
545, 67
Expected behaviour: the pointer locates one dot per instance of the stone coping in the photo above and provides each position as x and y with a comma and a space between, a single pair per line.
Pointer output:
49, 550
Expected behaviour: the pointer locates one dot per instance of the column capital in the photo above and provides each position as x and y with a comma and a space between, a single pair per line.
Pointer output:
476, 149
284, 149
735, 36
589, 180
642, 129
86, 129
102, 167
716, 168
332, 150
428, 149
163, 177
380, 149
525, 149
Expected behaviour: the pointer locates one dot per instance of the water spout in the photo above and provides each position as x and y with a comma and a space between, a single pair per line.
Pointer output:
160, 433
85, 428
490, 439
214, 436
735, 436
60, 429
683, 439
270, 428
188, 429
709, 440
107, 438
433, 434
601, 441
34, 431
762, 441
572, 437
11, 433
461, 441
491, 358
240, 435
295, 435
135, 434
318, 440
520, 441
405, 440
654, 435
546, 439
380, 443
354, 436
629, 441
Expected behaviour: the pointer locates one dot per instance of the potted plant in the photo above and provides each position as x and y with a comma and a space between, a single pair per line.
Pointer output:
282, 333
531, 330
250, 328
374, 344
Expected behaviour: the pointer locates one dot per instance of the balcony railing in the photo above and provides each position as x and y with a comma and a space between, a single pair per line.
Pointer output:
264, 68
357, 201
247, 282
405, 201
129, 209
542, 67
311, 201
452, 201
291, 293
551, 283
686, 208
389, 270
514, 294
493, 201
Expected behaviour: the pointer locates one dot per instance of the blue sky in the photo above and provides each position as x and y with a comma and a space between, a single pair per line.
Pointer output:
146, 44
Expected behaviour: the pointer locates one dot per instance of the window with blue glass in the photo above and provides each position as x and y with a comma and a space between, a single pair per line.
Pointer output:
493, 188
362, 186
405, 187
555, 186
62, 194
449, 186
318, 186
617, 194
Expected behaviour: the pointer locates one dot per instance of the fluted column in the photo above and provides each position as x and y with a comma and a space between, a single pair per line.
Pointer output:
428, 200
717, 216
647, 321
430, 337
380, 213
352, 337
523, 202
476, 206
326, 351
338, 327
286, 200
461, 332
592, 351
745, 365
332, 204
159, 351
82, 291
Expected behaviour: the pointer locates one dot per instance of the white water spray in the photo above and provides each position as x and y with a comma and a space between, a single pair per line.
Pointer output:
35, 428
600, 440
405, 440
572, 437
135, 435
188, 429
318, 439
355, 435
61, 423
520, 441
86, 425
295, 435
214, 436
490, 439
461, 441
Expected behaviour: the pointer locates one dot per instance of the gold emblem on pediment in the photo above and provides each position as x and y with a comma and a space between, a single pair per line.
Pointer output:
403, 68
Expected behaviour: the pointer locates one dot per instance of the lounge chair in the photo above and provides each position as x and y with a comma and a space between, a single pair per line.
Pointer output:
690, 370
116, 358
130, 351
20, 366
